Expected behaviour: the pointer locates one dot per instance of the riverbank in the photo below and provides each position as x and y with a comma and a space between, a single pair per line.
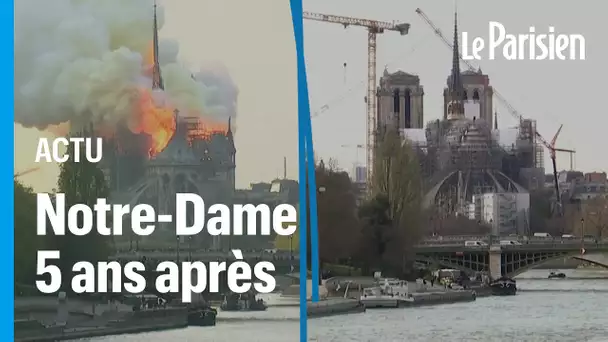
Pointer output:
33, 328
90, 332
333, 306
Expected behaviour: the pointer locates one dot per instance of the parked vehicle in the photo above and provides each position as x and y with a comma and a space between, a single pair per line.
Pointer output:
509, 243
475, 243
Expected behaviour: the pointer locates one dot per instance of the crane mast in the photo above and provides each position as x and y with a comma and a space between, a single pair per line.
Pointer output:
374, 28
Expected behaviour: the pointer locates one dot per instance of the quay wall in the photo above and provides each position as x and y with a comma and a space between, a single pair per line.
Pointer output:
447, 297
333, 306
129, 323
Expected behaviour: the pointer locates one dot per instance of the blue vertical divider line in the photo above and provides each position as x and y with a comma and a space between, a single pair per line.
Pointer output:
312, 198
7, 250
303, 127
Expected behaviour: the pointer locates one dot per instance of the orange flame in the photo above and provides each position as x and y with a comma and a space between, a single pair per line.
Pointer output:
149, 117
202, 128
157, 122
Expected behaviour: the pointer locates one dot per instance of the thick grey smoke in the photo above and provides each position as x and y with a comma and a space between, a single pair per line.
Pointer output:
84, 60
221, 92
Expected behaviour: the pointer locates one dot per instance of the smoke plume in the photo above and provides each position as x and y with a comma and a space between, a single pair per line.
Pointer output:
221, 92
88, 61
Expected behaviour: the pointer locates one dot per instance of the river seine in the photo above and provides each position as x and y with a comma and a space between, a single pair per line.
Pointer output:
560, 310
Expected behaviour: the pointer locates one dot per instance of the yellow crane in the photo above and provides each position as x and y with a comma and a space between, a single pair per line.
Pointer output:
374, 28
549, 145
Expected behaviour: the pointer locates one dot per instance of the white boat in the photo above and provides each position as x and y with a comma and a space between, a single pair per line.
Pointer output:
389, 293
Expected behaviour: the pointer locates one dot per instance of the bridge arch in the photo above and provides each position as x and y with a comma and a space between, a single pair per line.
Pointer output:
591, 258
513, 261
452, 263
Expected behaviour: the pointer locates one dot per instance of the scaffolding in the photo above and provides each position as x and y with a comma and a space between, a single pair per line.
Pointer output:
462, 158
198, 130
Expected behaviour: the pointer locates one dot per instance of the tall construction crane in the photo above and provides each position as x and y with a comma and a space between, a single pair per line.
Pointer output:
25, 172
373, 28
571, 153
550, 146
357, 148
552, 152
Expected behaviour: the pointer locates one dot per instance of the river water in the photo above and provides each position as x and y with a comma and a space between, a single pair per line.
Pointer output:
570, 309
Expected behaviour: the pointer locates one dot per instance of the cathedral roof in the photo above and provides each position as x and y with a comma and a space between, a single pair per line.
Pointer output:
178, 151
399, 74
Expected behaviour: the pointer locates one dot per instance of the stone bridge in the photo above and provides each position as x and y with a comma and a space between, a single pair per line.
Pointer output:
510, 260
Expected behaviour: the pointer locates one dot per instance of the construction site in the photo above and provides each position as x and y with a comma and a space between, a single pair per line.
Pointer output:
470, 166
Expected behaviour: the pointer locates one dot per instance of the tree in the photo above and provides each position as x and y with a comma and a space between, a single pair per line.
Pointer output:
336, 212
595, 216
82, 182
540, 210
27, 242
396, 183
377, 231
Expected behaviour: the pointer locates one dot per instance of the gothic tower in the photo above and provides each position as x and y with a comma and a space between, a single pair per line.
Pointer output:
400, 101
454, 101
469, 91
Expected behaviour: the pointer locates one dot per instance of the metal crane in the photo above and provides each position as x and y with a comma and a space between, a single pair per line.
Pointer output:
374, 28
550, 146
26, 171
571, 153
357, 148
553, 151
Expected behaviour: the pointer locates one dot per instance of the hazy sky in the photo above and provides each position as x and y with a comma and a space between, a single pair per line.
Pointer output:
571, 93
254, 39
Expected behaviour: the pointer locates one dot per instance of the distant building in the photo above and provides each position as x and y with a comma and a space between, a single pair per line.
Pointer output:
279, 191
582, 191
360, 174
400, 101
260, 187
505, 213
598, 177
359, 182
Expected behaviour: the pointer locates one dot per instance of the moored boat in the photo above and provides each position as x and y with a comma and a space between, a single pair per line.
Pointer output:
243, 302
389, 293
503, 286
202, 316
554, 275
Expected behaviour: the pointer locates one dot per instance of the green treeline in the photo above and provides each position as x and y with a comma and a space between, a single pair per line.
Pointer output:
81, 182
379, 233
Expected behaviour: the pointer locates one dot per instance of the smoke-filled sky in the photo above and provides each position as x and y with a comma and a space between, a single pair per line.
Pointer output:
84, 63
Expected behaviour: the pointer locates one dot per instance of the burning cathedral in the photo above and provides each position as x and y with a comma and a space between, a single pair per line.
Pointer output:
182, 155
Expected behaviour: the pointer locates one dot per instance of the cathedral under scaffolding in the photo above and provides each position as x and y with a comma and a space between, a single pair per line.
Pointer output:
463, 155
